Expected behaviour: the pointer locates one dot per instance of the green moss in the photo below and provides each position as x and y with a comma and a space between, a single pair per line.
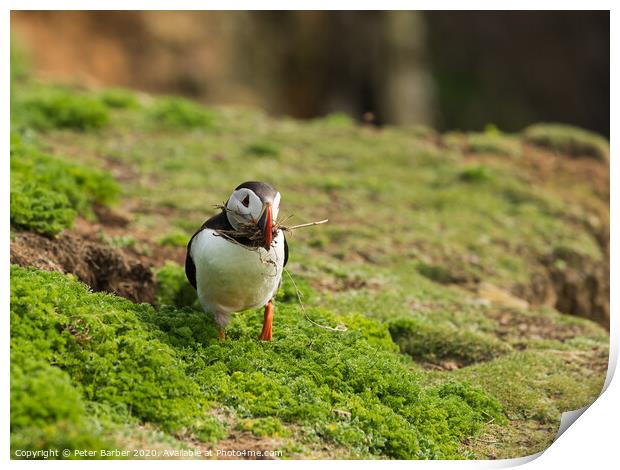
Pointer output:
293, 288
173, 288
568, 139
20, 66
168, 367
120, 241
57, 108
537, 385
319, 240
177, 238
333, 183
47, 193
478, 401
337, 120
263, 149
109, 354
119, 98
454, 140
47, 411
374, 332
264, 427
422, 132
436, 273
493, 142
434, 342
178, 113
476, 174
40, 209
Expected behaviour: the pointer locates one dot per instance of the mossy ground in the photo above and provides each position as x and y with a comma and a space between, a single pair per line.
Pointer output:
47, 193
412, 225
568, 140
167, 367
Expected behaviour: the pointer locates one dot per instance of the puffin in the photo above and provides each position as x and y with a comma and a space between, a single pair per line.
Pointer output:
232, 271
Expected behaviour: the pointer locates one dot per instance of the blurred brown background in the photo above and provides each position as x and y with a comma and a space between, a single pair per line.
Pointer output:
450, 70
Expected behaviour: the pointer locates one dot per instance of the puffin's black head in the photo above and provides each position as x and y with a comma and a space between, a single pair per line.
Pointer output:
254, 202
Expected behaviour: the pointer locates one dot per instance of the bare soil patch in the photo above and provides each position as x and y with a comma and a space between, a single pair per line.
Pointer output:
102, 267
513, 325
549, 167
581, 285
346, 284
85, 251
571, 283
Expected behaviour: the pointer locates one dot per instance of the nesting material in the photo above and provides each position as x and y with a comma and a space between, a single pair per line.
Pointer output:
253, 232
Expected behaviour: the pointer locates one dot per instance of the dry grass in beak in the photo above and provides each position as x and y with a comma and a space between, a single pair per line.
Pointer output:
254, 233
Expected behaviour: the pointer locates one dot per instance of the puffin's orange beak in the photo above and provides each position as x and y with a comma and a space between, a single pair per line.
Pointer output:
268, 228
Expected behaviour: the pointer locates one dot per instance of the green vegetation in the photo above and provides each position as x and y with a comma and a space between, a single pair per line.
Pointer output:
493, 142
476, 173
47, 193
521, 378
434, 342
490, 142
176, 238
47, 411
177, 113
426, 362
437, 273
263, 427
168, 367
173, 288
337, 120
120, 241
61, 109
109, 354
568, 139
119, 98
263, 149
19, 62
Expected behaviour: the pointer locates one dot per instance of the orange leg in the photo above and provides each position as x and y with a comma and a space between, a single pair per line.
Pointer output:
266, 333
222, 335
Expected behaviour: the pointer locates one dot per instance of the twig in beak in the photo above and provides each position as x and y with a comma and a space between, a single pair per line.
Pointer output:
254, 232
309, 224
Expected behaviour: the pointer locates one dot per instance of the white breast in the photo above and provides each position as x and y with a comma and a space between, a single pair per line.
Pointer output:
231, 277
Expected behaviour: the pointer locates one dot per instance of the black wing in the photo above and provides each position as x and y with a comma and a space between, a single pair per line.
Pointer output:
190, 267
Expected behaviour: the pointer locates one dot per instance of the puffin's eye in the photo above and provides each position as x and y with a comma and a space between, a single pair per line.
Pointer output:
246, 200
